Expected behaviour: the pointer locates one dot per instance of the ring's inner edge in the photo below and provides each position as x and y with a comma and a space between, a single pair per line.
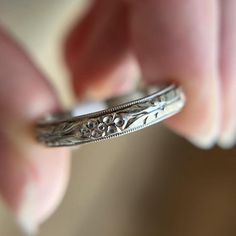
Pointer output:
96, 106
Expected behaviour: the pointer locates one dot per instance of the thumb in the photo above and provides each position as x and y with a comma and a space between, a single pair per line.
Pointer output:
32, 178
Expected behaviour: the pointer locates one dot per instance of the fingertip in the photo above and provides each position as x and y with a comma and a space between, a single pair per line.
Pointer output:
200, 120
97, 46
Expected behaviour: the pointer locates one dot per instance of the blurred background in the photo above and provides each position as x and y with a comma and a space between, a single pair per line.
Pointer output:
147, 183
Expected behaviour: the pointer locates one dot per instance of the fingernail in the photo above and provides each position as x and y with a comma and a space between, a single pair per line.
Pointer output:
123, 79
111, 87
27, 213
204, 142
227, 139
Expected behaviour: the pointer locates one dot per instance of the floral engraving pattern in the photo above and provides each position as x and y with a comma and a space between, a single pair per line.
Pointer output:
102, 126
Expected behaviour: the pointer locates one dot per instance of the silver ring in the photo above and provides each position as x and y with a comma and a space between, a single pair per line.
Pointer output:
118, 116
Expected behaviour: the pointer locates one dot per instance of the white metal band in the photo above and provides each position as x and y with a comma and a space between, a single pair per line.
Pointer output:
122, 115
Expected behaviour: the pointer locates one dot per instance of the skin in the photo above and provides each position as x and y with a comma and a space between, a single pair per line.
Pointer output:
189, 42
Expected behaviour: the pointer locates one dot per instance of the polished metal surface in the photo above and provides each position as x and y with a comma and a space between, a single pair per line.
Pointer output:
120, 116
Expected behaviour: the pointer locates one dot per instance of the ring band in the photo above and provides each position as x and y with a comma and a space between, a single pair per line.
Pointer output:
120, 116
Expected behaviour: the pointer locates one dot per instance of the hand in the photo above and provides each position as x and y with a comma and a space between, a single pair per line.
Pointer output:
187, 42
